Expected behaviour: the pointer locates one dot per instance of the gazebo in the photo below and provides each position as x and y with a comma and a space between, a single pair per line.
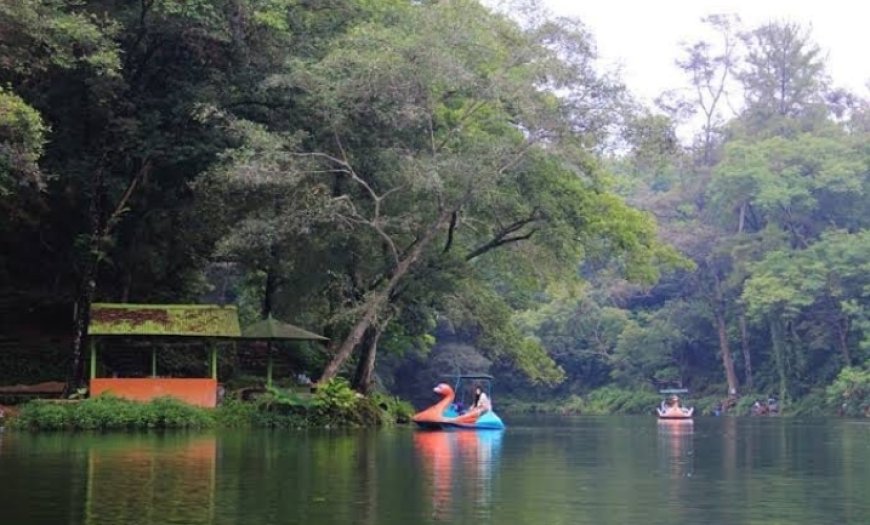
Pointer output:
208, 323
270, 330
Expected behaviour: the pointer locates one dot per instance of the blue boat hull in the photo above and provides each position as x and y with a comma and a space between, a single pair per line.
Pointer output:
488, 421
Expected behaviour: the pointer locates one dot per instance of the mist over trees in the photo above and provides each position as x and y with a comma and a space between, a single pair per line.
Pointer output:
424, 180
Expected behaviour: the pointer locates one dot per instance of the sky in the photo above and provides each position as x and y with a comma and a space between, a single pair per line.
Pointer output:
643, 37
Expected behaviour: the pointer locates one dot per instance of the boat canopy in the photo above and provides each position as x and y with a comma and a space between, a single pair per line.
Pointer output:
485, 377
669, 391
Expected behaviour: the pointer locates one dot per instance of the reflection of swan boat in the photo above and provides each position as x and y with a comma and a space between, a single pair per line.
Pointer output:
671, 407
458, 463
449, 414
676, 450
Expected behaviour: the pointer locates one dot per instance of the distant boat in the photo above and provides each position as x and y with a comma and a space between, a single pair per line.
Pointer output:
671, 408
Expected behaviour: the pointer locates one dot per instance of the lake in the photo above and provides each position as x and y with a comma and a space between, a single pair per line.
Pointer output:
578, 470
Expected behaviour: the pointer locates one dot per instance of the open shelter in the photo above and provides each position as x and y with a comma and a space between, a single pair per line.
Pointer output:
166, 324
270, 330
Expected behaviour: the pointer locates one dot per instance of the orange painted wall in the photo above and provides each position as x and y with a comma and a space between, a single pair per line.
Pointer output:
195, 391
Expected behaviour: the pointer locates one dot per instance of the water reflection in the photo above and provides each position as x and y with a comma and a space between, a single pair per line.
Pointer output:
151, 481
459, 467
676, 447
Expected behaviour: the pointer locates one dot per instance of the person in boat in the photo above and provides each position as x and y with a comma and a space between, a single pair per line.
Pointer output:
759, 409
772, 405
482, 403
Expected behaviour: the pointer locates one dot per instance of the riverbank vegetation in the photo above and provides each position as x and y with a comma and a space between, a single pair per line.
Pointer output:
435, 186
334, 405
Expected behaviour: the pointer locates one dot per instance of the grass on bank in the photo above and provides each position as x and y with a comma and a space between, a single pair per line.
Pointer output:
334, 405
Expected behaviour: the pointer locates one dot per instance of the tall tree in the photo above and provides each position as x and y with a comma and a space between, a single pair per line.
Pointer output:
441, 151
784, 77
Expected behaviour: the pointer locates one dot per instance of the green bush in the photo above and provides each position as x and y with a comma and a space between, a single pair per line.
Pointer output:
849, 394
814, 403
613, 400
335, 403
396, 410
235, 413
111, 413
42, 415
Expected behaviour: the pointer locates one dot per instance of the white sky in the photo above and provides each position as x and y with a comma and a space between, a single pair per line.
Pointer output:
644, 36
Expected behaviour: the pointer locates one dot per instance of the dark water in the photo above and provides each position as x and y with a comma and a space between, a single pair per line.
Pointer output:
539, 471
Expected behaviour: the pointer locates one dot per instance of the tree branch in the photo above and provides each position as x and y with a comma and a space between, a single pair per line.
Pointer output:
122, 203
503, 236
453, 218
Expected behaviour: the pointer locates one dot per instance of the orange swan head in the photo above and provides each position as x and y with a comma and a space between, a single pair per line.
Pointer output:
444, 390
436, 411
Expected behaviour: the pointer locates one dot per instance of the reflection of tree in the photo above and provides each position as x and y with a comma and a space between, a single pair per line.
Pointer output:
368, 477
151, 482
459, 462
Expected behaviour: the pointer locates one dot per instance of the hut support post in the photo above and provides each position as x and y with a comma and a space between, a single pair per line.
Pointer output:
213, 361
93, 345
269, 364
153, 362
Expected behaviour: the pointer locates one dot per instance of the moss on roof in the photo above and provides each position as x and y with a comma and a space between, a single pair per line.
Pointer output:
192, 320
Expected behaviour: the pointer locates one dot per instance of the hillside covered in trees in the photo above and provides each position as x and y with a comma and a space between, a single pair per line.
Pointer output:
438, 186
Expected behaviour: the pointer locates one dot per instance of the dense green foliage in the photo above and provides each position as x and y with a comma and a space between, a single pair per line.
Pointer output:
406, 177
334, 405
110, 413
771, 204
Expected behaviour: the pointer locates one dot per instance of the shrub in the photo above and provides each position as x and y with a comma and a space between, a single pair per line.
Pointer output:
43, 415
334, 403
235, 413
849, 394
613, 400
107, 412
396, 410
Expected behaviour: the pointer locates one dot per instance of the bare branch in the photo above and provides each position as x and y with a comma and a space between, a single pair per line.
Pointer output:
453, 218
122, 203
504, 235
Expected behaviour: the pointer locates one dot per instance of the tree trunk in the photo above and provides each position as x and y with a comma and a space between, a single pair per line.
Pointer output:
721, 329
727, 360
100, 230
75, 376
377, 299
777, 339
362, 380
744, 343
842, 327
87, 286
268, 292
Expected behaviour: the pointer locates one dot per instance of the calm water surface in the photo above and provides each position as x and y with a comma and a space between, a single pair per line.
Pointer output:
540, 471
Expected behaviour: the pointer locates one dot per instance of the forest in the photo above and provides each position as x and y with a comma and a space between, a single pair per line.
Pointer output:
439, 186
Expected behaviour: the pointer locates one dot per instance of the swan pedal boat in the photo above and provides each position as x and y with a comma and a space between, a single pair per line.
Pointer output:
675, 413
671, 407
444, 416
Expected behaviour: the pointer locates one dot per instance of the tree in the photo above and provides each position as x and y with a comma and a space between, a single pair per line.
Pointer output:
784, 77
710, 70
22, 139
441, 151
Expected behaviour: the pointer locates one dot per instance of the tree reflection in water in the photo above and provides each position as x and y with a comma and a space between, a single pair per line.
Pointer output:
459, 462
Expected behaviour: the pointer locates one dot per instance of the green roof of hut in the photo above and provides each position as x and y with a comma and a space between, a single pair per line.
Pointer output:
188, 320
273, 329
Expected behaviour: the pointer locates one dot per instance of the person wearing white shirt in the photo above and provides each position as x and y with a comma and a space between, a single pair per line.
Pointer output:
481, 401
